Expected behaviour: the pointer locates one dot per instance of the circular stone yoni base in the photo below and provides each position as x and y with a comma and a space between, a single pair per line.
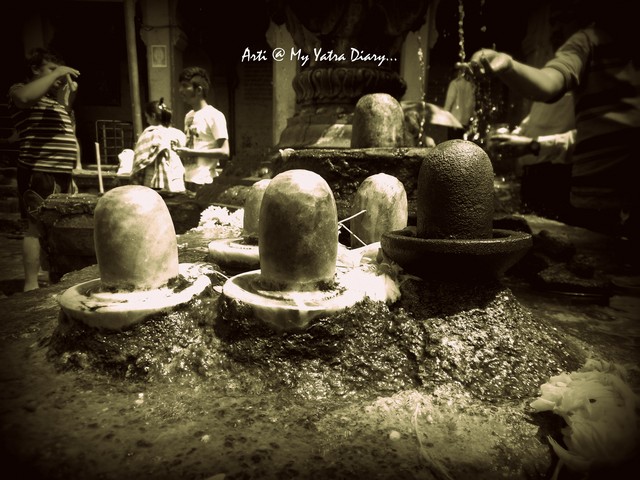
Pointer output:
86, 302
462, 259
292, 310
235, 253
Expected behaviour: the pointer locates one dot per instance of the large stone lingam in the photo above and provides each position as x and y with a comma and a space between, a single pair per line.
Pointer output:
298, 237
454, 237
137, 254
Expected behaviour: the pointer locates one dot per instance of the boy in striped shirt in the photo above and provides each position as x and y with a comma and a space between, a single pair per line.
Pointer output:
48, 148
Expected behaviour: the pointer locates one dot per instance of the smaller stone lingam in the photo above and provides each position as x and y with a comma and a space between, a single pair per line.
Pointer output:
379, 205
383, 201
242, 253
137, 254
298, 278
454, 238
378, 121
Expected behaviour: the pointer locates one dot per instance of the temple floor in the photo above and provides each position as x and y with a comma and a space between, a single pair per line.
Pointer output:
81, 424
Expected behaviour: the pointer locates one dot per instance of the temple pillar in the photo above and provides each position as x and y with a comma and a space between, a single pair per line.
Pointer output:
284, 72
165, 41
414, 62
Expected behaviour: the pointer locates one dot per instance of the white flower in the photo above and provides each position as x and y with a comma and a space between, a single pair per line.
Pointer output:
214, 215
599, 409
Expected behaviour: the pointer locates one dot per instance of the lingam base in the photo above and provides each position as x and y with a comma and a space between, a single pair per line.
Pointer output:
235, 254
96, 308
286, 310
462, 259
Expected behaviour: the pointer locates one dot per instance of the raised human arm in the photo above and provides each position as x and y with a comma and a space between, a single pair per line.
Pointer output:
539, 84
450, 97
66, 94
29, 93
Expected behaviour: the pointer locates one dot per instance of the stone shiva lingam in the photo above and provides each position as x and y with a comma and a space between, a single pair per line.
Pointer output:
379, 143
378, 206
298, 278
454, 237
242, 253
137, 254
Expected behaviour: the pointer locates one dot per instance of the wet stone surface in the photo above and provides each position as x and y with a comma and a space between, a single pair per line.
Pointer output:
484, 341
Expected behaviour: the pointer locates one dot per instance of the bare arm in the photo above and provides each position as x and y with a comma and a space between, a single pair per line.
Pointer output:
28, 94
220, 151
556, 148
539, 84
66, 94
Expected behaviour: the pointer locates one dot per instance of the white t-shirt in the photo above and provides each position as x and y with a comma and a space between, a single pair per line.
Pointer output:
203, 128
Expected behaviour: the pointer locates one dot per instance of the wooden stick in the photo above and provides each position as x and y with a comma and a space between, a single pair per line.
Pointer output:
101, 186
342, 225
352, 216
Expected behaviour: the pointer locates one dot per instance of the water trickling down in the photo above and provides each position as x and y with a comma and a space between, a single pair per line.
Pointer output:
461, 53
487, 109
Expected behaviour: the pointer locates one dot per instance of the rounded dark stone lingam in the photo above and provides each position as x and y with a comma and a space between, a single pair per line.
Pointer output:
455, 192
454, 237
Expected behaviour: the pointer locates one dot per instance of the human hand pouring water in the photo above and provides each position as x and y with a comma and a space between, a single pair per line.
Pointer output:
487, 61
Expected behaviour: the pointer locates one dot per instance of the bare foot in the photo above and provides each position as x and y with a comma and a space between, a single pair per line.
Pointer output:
28, 288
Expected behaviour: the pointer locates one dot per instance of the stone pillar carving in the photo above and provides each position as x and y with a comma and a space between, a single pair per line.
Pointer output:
353, 48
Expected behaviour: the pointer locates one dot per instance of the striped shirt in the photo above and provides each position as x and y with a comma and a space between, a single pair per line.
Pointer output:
606, 84
155, 161
46, 135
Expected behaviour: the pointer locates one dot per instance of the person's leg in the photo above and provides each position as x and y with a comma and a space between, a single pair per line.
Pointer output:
31, 258
33, 187
30, 241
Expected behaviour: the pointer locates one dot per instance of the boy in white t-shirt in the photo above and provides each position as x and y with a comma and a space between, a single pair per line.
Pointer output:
205, 128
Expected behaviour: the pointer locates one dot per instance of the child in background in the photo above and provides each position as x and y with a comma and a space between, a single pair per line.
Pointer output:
41, 109
156, 163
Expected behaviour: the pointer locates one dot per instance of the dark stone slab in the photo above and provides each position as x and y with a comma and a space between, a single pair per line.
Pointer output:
345, 169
